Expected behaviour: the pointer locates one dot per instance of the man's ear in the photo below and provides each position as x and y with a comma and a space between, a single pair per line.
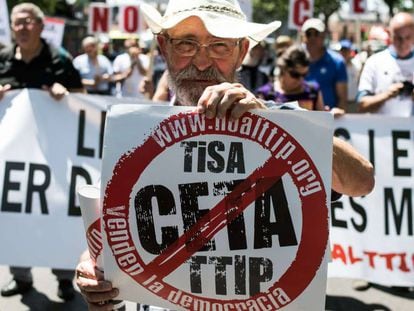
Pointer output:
162, 43
244, 48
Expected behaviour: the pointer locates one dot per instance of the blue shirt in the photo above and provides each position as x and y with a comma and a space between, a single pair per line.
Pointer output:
329, 70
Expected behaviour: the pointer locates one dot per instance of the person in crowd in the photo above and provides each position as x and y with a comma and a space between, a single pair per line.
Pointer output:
353, 71
202, 57
386, 83
385, 86
281, 44
250, 74
289, 84
129, 69
95, 69
33, 63
327, 67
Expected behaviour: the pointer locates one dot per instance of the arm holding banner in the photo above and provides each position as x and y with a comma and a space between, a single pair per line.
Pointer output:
352, 174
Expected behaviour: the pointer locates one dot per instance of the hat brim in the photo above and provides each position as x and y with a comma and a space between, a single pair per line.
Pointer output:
216, 24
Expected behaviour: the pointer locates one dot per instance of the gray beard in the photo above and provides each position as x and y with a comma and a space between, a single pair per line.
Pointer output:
188, 93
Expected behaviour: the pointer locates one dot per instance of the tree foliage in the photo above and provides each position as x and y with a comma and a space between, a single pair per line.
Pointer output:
47, 6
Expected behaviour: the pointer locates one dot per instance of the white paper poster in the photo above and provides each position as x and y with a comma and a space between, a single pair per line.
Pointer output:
201, 214
5, 37
372, 237
53, 30
299, 12
47, 149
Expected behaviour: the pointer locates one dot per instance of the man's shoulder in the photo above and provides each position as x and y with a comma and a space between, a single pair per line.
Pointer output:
58, 53
7, 52
379, 56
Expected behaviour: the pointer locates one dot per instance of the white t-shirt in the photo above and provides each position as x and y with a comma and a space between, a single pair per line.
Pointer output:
131, 84
380, 71
88, 70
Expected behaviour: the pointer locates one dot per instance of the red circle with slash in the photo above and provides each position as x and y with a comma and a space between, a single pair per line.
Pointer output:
314, 236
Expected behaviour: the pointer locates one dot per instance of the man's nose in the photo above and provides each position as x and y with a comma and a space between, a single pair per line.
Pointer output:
201, 59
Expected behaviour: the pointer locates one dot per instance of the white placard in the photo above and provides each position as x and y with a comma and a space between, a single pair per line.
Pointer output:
299, 12
47, 150
53, 30
372, 237
5, 37
204, 213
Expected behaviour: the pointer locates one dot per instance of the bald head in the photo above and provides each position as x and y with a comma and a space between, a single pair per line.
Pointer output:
402, 33
401, 20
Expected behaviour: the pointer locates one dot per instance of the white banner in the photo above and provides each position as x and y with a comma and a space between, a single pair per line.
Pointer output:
299, 12
205, 214
47, 149
5, 37
53, 30
372, 237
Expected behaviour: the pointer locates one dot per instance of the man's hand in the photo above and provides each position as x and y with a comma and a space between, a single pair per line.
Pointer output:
96, 291
57, 90
219, 99
394, 89
146, 87
336, 111
4, 89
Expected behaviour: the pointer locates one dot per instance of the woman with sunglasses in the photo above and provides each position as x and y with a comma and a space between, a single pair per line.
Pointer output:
289, 84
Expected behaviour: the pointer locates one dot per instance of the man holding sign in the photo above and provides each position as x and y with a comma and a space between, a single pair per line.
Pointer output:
204, 42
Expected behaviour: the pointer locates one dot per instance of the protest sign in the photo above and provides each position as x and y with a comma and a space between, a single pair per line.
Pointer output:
5, 37
47, 149
206, 214
299, 12
372, 236
53, 31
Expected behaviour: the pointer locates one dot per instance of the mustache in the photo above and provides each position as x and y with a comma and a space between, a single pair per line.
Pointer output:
192, 73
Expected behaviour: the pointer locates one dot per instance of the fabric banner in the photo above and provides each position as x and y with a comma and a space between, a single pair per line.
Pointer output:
206, 214
5, 37
372, 236
47, 149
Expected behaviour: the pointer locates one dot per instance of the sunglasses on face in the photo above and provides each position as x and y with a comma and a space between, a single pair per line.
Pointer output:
297, 75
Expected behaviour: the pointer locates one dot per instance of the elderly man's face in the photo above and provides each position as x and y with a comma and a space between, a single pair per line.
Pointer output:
190, 75
403, 40
26, 29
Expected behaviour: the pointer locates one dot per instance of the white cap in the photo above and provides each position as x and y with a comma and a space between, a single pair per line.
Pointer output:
313, 23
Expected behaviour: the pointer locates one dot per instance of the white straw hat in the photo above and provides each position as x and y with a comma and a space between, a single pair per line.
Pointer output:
222, 18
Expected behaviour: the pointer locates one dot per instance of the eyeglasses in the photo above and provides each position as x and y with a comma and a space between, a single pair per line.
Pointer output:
311, 33
24, 21
189, 47
297, 75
